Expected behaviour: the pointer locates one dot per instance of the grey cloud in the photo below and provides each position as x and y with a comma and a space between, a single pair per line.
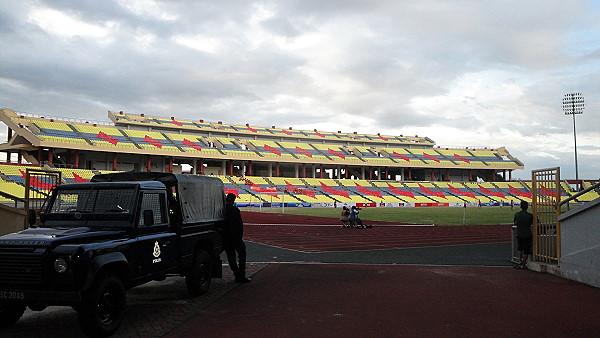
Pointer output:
281, 27
407, 50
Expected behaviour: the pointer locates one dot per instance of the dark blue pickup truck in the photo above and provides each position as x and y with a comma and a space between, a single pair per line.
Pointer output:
96, 240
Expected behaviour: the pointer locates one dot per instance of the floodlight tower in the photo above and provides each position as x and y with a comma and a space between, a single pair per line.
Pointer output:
572, 105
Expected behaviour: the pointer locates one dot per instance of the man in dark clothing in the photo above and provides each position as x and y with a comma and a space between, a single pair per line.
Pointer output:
524, 220
232, 240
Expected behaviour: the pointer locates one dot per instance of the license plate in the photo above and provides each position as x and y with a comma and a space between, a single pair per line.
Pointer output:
12, 295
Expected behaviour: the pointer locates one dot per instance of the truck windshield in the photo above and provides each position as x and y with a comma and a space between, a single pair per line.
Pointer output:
94, 201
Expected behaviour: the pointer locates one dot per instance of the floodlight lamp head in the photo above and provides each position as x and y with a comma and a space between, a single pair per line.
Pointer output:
573, 104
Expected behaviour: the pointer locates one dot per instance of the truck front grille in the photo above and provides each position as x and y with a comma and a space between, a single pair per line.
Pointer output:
23, 267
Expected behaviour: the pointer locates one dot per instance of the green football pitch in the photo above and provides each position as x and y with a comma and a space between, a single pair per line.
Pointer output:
430, 215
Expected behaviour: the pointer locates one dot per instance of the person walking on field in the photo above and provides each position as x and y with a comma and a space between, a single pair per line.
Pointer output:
232, 240
524, 220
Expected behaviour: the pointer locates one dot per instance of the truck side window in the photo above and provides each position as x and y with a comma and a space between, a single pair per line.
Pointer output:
156, 203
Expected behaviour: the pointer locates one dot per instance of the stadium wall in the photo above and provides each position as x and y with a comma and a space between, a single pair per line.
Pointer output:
13, 219
580, 243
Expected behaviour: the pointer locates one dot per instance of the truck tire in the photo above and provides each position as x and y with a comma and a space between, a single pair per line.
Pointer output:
199, 277
101, 311
10, 313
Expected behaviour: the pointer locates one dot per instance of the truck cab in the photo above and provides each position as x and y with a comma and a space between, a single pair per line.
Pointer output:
96, 240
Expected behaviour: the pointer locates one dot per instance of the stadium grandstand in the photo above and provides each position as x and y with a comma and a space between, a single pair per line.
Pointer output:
265, 165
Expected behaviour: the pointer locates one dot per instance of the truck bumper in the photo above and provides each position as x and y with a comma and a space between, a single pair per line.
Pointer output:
45, 296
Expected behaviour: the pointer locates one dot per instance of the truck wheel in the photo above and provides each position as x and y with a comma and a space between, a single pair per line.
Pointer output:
101, 311
10, 313
198, 278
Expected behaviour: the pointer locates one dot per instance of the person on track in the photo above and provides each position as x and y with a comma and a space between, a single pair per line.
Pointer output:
344, 217
355, 221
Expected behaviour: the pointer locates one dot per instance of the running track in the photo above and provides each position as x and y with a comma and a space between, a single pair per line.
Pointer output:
322, 234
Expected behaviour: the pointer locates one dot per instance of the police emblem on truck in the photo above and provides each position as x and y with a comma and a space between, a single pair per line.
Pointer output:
156, 253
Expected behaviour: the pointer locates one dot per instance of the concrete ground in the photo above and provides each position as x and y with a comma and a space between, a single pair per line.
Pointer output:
300, 288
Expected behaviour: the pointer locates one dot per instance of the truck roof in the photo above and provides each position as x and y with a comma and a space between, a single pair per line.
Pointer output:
202, 198
168, 179
100, 185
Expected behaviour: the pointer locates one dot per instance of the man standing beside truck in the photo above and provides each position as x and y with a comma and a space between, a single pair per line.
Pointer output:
232, 240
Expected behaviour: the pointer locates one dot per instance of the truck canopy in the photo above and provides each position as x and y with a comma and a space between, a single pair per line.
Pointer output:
201, 198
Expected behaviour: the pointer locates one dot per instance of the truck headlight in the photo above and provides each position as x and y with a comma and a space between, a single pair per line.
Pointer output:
60, 265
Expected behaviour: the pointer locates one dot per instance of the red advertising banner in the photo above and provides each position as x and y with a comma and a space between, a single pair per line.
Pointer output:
432, 204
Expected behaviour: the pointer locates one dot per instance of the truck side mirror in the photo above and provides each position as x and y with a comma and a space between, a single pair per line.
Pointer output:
148, 217
31, 217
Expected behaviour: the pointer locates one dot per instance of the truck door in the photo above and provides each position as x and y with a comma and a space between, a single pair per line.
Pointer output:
156, 246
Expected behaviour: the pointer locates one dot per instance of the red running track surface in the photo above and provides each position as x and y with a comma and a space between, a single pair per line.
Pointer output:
311, 238
344, 300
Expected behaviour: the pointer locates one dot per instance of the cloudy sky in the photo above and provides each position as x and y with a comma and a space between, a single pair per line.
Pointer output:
464, 73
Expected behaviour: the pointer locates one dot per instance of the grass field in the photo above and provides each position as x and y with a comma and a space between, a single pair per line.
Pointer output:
437, 216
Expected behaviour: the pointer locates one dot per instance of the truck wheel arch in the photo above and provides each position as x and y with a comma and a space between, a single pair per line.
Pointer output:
115, 262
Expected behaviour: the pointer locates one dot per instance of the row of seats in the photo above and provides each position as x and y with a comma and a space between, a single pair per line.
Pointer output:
589, 196
12, 178
363, 191
124, 118
110, 136
315, 190
468, 157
